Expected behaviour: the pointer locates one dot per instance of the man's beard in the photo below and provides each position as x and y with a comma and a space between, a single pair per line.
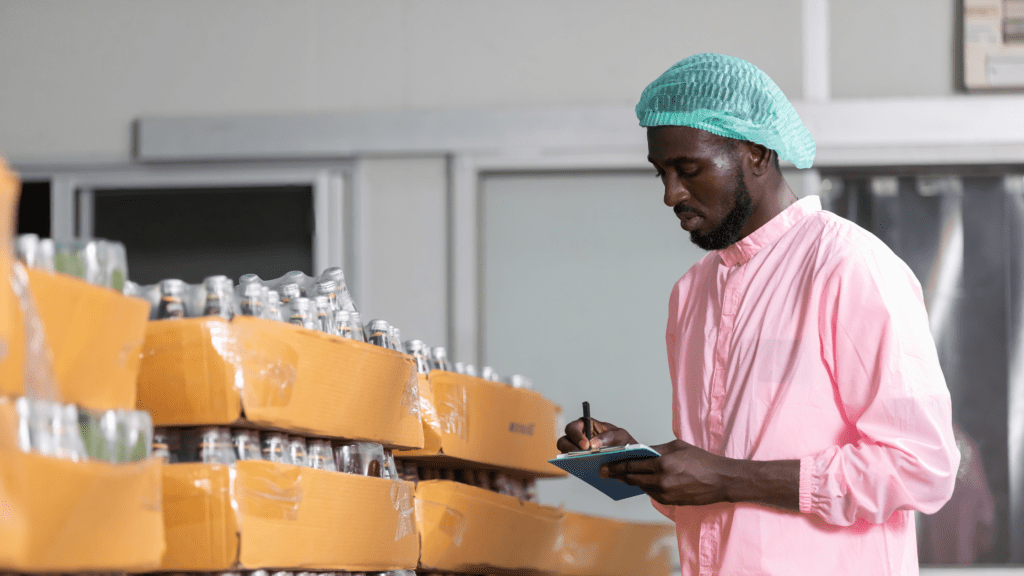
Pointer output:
728, 232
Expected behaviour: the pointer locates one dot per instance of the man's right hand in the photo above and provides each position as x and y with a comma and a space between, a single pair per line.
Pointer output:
604, 434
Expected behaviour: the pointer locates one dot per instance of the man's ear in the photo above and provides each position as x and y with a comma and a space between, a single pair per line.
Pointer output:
759, 158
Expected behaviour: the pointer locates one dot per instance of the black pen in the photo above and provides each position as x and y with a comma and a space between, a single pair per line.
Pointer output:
588, 428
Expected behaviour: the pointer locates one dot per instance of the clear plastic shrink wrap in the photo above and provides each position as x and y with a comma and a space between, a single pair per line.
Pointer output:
490, 423
252, 371
246, 499
468, 529
594, 546
258, 513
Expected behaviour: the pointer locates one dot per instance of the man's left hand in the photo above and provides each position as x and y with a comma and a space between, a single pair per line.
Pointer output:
684, 475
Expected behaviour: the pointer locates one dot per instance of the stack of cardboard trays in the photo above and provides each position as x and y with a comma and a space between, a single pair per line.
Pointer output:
255, 373
472, 423
62, 516
67, 340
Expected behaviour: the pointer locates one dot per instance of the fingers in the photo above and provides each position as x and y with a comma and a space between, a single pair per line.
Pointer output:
612, 436
623, 468
648, 481
605, 434
574, 437
566, 445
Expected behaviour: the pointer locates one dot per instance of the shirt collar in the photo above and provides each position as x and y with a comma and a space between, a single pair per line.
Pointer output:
741, 252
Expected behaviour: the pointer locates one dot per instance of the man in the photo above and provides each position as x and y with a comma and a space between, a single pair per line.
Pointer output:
810, 412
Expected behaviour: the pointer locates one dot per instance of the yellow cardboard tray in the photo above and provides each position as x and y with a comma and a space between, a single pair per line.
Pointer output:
468, 529
95, 335
208, 371
63, 516
488, 424
12, 334
594, 546
286, 517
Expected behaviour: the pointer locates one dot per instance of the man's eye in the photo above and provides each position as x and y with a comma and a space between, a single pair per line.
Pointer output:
682, 174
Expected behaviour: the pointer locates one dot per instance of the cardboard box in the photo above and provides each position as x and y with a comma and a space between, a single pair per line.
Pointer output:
468, 529
63, 516
94, 333
472, 421
271, 515
208, 371
594, 546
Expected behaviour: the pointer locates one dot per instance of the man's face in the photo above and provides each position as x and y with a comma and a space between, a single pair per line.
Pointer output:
704, 183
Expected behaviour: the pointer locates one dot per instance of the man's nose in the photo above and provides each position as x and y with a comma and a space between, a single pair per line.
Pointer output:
675, 192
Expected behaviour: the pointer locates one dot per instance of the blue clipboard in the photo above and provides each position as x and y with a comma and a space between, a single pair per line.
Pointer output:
586, 466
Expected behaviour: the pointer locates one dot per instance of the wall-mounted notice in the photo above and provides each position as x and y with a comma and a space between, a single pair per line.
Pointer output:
993, 44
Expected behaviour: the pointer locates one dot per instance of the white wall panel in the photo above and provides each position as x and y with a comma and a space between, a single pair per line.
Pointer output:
401, 275
883, 48
577, 272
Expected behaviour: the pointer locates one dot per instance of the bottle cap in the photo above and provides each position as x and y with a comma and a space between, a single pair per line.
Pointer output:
378, 325
172, 286
215, 282
334, 274
290, 290
413, 346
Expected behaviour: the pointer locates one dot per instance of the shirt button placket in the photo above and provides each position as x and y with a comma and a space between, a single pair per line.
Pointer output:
730, 303
708, 548
710, 529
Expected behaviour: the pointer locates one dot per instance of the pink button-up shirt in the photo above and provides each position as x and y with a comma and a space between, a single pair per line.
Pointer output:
809, 340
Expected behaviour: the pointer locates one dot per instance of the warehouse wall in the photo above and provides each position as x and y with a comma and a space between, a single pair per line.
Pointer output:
75, 74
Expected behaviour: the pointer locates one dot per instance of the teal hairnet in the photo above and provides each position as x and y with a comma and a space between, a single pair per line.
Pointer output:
730, 97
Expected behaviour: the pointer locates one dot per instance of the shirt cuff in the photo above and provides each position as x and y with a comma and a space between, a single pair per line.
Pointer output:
806, 483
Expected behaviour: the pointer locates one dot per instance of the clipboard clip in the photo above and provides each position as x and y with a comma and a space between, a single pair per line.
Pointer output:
602, 450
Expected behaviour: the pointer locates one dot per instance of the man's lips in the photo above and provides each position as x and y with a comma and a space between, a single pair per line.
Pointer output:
689, 219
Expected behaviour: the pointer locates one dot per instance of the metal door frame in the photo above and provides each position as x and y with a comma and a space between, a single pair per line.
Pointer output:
72, 192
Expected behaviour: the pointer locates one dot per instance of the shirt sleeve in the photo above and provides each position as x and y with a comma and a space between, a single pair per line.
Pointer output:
877, 347
666, 511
